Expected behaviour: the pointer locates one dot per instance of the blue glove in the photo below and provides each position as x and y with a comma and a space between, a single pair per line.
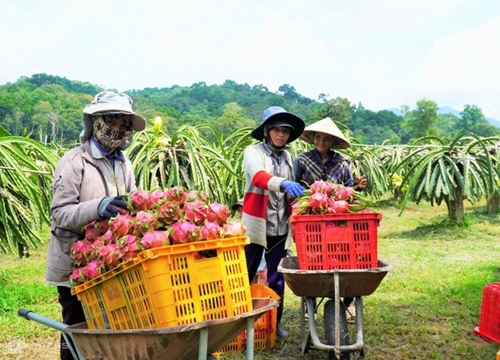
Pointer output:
110, 206
293, 188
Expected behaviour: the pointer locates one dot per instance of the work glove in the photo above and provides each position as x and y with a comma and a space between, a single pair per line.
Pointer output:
293, 188
110, 206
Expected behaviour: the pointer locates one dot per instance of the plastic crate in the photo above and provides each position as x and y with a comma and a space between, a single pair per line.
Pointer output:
327, 242
264, 327
489, 318
170, 286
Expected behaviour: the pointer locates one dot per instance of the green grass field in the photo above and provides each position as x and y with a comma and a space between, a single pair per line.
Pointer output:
425, 308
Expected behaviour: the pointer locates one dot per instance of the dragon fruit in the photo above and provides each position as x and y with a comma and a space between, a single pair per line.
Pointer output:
339, 207
195, 211
153, 239
210, 231
183, 231
168, 212
176, 194
121, 225
95, 229
143, 222
80, 252
324, 187
345, 193
196, 195
318, 203
233, 228
110, 256
218, 213
77, 277
93, 269
129, 246
324, 197
141, 200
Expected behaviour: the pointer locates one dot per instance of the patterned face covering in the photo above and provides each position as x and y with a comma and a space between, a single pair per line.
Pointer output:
107, 134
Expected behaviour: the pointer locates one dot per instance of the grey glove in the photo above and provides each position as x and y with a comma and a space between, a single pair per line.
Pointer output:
110, 206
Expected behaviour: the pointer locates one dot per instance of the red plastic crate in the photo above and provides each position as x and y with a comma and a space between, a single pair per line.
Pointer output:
489, 318
327, 242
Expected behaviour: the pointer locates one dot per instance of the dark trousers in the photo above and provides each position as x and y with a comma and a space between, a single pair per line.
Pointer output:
72, 313
273, 255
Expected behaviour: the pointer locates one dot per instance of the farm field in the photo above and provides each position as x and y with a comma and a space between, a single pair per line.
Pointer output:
425, 308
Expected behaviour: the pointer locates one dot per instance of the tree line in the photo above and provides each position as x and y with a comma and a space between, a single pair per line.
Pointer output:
48, 108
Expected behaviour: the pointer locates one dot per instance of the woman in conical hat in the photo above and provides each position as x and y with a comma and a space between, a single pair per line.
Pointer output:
324, 163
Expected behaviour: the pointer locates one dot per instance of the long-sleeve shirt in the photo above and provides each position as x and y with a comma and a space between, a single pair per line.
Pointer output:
308, 168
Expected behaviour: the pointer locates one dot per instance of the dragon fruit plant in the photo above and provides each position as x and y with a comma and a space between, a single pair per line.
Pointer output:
324, 197
164, 217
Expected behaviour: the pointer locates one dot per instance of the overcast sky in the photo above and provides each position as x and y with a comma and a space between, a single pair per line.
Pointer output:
381, 53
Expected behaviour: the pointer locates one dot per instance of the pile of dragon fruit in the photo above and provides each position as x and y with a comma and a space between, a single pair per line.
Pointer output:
324, 197
152, 219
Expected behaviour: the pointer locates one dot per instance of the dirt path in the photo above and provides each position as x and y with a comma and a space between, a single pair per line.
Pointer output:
16, 349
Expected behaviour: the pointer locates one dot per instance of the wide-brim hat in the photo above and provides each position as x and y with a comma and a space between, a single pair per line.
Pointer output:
276, 116
107, 102
326, 126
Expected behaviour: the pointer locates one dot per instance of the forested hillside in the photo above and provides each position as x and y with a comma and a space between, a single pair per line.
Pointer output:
48, 108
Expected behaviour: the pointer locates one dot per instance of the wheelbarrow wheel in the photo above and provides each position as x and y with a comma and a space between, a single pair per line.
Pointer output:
305, 334
329, 325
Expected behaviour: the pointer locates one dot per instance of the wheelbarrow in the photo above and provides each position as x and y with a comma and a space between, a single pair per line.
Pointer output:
193, 341
332, 284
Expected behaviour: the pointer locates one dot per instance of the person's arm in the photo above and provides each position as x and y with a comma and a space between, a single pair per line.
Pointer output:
254, 164
66, 210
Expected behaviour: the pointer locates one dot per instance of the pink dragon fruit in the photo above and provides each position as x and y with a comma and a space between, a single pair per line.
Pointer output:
129, 246
154, 239
176, 194
183, 231
109, 256
196, 195
93, 269
77, 277
121, 225
168, 212
345, 193
210, 231
80, 252
218, 213
158, 196
141, 200
108, 237
324, 187
233, 228
339, 207
318, 203
143, 222
195, 211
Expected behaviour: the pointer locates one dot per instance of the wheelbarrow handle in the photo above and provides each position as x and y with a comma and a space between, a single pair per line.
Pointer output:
30, 315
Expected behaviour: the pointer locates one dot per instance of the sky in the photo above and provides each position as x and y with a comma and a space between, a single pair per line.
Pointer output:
380, 53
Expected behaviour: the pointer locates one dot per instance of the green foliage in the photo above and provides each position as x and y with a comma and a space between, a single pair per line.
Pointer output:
461, 170
26, 168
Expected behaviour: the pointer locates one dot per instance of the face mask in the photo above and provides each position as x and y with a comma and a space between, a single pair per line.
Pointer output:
108, 137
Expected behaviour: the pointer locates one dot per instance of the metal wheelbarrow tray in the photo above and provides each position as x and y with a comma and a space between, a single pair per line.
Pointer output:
320, 283
193, 341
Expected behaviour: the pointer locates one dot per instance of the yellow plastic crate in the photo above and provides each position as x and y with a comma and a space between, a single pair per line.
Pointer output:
264, 327
170, 286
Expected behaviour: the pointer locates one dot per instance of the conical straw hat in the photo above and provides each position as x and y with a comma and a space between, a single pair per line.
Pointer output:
325, 126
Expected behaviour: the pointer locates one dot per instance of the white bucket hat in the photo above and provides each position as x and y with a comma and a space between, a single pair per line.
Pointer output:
325, 126
107, 102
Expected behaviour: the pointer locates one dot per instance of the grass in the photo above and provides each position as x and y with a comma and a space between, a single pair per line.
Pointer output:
425, 308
